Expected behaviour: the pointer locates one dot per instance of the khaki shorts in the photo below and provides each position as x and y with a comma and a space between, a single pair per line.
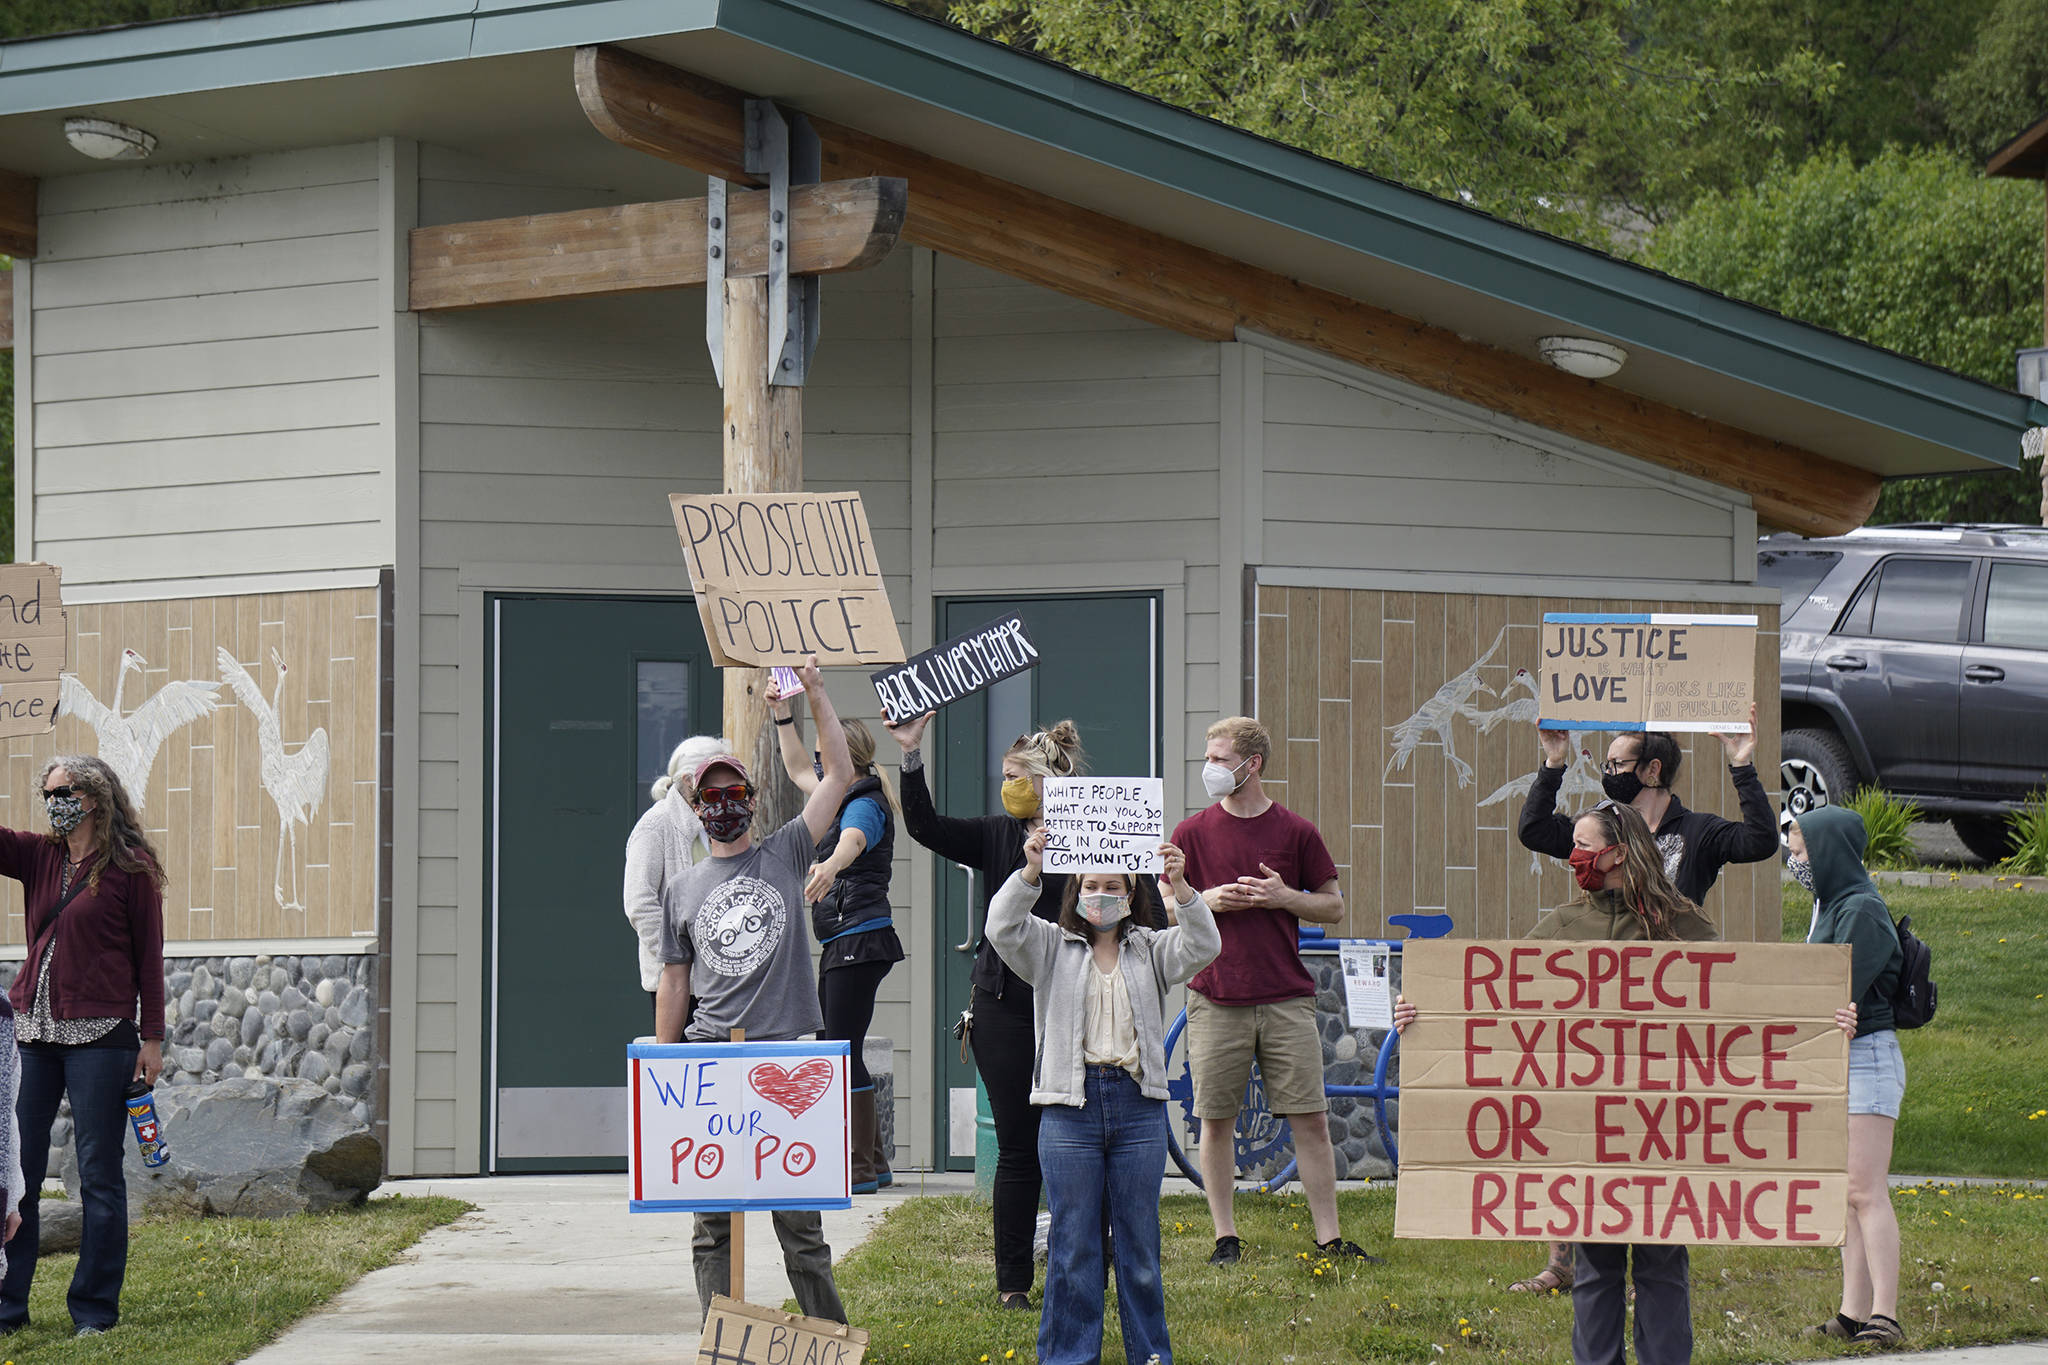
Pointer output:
1223, 1040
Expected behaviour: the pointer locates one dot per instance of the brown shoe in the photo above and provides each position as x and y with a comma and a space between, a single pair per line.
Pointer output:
1880, 1331
1839, 1327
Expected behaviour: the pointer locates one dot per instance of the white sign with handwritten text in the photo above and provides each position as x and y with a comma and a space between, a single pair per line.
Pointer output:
723, 1126
1104, 824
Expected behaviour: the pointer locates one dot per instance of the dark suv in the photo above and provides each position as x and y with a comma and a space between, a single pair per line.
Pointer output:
1915, 658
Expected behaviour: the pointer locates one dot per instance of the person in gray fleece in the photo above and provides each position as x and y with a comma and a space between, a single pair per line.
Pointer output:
1099, 990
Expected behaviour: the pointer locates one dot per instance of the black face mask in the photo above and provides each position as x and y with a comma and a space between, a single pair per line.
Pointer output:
1622, 788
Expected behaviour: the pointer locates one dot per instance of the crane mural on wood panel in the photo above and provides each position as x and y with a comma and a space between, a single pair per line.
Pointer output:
130, 743
296, 781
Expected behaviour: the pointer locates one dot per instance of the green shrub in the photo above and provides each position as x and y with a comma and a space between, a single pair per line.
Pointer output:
2029, 826
1889, 822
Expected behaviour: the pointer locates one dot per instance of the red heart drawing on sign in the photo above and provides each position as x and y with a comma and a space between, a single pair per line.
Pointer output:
795, 1090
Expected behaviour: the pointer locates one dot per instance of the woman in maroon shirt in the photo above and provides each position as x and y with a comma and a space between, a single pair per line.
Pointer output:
89, 1012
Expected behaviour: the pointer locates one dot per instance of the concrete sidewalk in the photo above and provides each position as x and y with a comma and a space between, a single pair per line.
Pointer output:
553, 1268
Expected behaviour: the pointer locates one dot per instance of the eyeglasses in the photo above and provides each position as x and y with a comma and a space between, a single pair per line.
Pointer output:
713, 795
1619, 765
58, 793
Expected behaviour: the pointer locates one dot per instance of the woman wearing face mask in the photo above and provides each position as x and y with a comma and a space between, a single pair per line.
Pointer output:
1694, 845
89, 1012
1100, 984
998, 1023
848, 891
1827, 859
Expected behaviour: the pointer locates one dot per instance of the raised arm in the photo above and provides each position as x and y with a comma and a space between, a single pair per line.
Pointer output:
822, 806
1024, 941
1542, 829
949, 836
789, 741
1756, 837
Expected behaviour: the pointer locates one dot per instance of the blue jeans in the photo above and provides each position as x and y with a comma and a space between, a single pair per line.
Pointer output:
97, 1079
1107, 1155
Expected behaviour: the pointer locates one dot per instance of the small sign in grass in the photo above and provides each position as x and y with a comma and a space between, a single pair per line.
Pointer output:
924, 1285
201, 1291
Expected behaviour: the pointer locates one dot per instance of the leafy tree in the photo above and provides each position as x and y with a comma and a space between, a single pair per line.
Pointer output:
30, 18
1914, 251
2000, 87
1568, 115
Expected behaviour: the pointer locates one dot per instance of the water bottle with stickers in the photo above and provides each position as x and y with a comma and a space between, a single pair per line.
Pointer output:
149, 1134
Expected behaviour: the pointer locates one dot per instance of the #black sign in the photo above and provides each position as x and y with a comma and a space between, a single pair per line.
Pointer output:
960, 667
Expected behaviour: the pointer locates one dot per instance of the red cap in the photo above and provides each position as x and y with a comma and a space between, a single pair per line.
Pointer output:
720, 761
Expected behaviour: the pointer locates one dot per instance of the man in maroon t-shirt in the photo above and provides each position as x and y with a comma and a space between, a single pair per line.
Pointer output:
1262, 869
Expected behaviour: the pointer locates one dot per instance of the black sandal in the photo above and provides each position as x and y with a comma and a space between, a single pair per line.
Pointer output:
1841, 1327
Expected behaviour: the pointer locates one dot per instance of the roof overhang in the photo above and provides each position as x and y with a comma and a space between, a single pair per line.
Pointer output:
493, 78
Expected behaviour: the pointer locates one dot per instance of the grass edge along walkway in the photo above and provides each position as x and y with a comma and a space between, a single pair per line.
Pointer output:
923, 1285
202, 1291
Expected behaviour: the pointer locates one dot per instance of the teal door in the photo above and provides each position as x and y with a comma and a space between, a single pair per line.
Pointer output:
588, 698
1100, 665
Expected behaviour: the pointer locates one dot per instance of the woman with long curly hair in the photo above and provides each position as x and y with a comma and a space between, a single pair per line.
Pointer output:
89, 1013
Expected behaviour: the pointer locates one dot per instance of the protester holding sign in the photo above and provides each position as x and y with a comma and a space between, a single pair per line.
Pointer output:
1641, 771
731, 939
666, 839
998, 1025
1264, 870
1827, 845
848, 888
1100, 983
89, 1006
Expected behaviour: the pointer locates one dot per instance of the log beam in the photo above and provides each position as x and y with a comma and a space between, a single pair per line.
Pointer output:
695, 122
6, 310
18, 214
633, 248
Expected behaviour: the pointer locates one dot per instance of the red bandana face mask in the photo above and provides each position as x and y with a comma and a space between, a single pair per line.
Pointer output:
1585, 866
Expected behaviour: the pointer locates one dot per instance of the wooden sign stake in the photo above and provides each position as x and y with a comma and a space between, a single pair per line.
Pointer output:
736, 1266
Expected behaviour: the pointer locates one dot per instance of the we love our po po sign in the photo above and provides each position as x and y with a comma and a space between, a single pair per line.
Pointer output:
733, 1126
1625, 1092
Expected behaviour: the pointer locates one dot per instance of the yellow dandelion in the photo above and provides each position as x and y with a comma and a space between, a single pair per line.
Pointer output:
1464, 1331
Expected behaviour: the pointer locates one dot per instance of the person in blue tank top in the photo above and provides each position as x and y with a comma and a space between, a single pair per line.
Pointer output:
848, 892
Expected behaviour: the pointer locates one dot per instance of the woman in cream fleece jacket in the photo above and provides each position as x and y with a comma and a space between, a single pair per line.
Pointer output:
1100, 984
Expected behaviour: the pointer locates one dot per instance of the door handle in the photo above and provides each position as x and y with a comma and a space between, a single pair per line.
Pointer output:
968, 946
1985, 673
1847, 663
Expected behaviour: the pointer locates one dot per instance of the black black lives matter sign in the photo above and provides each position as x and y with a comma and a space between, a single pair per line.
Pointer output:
960, 667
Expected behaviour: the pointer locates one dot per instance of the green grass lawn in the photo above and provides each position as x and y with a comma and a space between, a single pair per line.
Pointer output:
923, 1285
1977, 1077
203, 1291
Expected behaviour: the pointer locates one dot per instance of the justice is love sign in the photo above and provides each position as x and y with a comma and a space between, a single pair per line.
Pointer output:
1625, 1092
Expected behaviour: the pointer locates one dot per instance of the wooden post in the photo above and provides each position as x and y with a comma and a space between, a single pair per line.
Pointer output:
764, 453
736, 1263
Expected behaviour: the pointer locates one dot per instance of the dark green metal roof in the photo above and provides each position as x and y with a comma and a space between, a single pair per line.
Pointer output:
942, 67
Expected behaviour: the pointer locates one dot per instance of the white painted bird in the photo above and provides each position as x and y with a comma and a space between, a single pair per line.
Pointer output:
297, 781
1439, 714
129, 743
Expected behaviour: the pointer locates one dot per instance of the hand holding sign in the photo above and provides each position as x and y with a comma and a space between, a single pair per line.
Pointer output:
909, 733
1741, 745
1034, 856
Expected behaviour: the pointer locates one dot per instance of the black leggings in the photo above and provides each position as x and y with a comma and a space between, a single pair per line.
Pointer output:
1005, 1041
847, 997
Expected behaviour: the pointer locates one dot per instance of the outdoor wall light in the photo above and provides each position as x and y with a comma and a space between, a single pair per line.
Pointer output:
104, 140
1582, 356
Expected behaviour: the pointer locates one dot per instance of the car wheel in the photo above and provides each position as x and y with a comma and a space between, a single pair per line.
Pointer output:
1987, 836
1815, 770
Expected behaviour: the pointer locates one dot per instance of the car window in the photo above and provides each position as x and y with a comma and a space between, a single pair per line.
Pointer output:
2016, 607
1795, 574
1912, 599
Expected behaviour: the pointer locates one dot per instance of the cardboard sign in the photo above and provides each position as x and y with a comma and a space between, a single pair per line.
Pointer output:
734, 1126
1104, 824
32, 647
743, 1334
782, 575
1646, 671
962, 666
1625, 1092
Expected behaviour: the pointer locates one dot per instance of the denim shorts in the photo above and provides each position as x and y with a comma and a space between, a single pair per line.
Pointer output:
1877, 1074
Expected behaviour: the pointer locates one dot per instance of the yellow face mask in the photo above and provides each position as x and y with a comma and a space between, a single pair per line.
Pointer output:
1020, 798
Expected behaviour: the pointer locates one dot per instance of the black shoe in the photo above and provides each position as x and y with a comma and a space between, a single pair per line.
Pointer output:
1337, 1246
8, 1329
1228, 1251
1015, 1298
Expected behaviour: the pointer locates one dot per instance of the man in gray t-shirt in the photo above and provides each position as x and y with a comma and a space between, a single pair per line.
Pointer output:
738, 921
732, 932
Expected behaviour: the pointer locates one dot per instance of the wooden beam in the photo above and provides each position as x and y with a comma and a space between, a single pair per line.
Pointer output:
695, 122
6, 310
18, 214
632, 248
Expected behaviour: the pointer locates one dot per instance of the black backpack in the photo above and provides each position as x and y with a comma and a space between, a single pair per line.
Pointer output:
1913, 997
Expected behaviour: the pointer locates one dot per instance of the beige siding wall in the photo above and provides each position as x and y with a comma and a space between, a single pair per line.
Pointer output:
206, 371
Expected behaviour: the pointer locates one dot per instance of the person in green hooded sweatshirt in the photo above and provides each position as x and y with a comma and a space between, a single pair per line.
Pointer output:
1826, 847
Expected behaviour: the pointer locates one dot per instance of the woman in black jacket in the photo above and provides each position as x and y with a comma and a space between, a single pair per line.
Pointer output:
999, 1021
848, 892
